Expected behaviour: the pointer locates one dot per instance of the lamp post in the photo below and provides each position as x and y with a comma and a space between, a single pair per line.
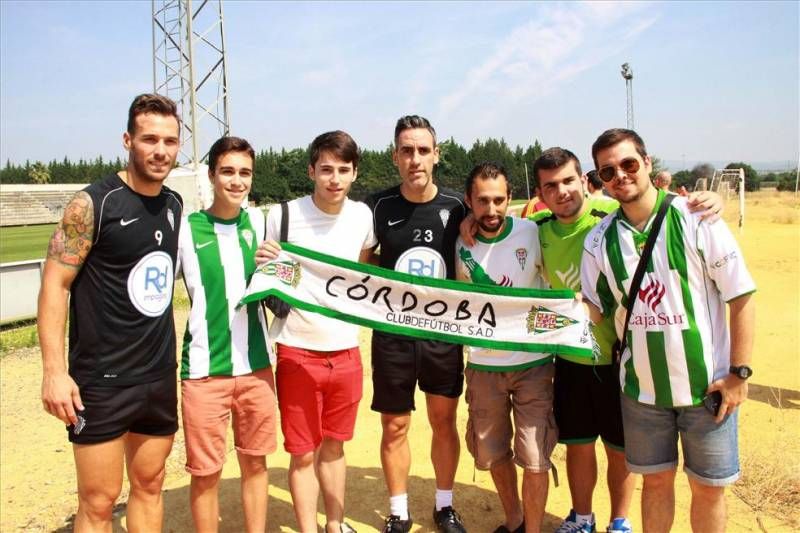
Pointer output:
627, 75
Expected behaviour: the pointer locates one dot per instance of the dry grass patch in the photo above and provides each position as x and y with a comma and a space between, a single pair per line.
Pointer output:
777, 207
770, 482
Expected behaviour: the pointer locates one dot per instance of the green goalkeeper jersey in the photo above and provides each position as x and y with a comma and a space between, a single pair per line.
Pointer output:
562, 248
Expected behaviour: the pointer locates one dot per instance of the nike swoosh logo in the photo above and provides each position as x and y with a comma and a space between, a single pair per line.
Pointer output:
395, 222
123, 222
201, 246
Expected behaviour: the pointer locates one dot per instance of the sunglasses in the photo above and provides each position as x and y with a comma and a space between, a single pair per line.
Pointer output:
629, 165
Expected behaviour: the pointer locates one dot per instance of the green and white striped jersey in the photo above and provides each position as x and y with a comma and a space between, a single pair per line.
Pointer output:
678, 340
512, 259
218, 258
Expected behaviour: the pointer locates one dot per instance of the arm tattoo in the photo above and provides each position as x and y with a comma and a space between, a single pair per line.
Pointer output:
72, 240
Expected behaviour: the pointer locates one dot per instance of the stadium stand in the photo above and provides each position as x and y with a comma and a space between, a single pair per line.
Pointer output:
22, 205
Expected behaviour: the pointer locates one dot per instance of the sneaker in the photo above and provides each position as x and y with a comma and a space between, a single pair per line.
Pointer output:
620, 525
393, 524
571, 524
503, 529
448, 520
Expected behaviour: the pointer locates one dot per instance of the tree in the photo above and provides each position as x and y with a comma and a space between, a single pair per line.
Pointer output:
375, 172
683, 178
454, 165
657, 166
782, 181
39, 174
702, 171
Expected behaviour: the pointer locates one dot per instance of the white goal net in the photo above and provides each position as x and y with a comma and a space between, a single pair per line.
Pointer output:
727, 182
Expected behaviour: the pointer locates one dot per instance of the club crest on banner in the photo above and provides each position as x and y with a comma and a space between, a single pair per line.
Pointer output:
541, 320
288, 272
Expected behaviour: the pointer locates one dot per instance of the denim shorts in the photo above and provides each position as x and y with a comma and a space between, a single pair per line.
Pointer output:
710, 450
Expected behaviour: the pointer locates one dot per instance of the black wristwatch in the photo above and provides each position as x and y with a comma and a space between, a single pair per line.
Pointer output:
741, 371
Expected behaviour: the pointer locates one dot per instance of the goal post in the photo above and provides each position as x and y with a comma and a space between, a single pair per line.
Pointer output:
729, 181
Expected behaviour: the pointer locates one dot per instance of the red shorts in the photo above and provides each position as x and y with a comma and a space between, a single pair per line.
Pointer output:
318, 395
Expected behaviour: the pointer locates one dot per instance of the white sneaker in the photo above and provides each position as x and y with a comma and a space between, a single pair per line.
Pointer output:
572, 525
620, 525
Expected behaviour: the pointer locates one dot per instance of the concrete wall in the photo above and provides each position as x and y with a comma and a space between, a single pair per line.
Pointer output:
19, 289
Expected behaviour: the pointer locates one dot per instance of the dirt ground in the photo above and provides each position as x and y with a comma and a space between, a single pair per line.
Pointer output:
37, 479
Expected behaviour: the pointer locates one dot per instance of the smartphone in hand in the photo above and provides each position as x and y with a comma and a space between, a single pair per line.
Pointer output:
713, 402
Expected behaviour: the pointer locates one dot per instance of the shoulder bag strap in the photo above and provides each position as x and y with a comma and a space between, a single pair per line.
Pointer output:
642, 266
284, 222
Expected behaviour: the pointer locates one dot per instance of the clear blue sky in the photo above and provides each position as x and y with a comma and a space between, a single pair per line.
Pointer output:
714, 81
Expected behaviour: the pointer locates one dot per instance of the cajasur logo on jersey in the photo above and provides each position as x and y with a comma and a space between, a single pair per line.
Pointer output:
652, 294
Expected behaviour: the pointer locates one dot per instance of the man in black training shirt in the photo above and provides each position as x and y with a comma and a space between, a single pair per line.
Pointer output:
416, 224
113, 255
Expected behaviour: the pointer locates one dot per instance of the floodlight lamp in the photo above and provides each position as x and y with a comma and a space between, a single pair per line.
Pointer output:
627, 73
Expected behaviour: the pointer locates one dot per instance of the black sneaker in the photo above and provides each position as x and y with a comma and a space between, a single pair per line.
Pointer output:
503, 529
448, 520
393, 524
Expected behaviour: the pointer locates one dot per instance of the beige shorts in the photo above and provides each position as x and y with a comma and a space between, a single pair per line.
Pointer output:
206, 407
527, 395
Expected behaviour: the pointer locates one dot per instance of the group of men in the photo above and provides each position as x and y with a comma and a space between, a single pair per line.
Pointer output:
116, 252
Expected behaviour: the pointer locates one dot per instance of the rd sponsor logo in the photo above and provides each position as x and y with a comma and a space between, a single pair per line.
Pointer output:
150, 284
422, 261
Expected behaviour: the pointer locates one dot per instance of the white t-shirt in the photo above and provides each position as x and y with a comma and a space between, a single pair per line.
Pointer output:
343, 235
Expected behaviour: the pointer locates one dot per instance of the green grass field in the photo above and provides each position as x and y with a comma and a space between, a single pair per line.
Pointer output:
21, 243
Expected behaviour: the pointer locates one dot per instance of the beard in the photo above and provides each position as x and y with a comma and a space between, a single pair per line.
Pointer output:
491, 227
569, 210
632, 193
140, 166
630, 197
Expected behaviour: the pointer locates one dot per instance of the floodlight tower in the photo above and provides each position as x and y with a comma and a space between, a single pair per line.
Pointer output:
189, 66
627, 74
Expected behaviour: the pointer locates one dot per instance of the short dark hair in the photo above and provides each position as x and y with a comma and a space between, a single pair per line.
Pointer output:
486, 171
151, 103
615, 136
339, 143
412, 122
228, 144
594, 179
553, 158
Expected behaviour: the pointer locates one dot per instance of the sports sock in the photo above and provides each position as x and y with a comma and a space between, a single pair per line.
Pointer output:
398, 506
581, 518
444, 498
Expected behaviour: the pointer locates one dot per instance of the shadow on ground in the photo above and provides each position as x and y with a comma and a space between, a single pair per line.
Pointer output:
774, 396
366, 503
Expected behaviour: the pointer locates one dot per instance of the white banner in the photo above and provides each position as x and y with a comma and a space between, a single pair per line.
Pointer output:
490, 316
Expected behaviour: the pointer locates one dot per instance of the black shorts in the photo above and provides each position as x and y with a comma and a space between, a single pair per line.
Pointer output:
586, 403
109, 412
397, 364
